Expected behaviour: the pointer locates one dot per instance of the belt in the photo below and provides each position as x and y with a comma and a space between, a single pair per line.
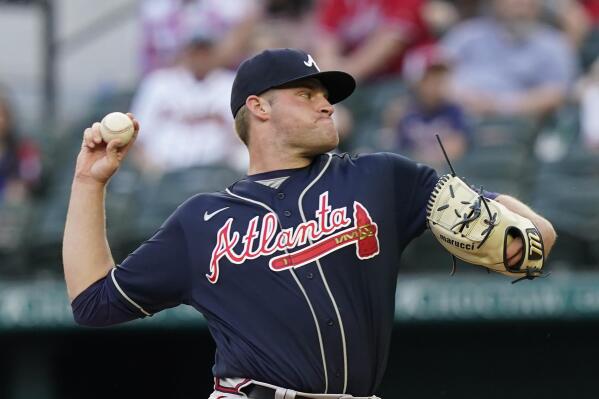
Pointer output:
260, 392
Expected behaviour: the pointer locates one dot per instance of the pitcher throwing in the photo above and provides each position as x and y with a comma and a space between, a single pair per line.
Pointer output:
294, 267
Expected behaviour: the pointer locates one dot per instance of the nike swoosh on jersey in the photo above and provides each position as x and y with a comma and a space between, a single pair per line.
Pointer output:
208, 216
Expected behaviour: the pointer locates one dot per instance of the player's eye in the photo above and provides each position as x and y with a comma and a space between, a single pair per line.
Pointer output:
305, 94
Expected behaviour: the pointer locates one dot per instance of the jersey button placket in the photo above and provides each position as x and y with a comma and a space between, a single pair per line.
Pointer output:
287, 213
281, 196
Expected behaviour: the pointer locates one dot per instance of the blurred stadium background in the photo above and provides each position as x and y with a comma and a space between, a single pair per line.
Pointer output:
66, 63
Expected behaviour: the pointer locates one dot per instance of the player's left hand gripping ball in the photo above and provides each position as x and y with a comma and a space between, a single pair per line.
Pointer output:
478, 230
117, 125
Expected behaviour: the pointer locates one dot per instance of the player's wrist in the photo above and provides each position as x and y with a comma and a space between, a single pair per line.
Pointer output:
88, 182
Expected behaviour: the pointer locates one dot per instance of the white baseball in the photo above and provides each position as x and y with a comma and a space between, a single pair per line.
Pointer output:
117, 125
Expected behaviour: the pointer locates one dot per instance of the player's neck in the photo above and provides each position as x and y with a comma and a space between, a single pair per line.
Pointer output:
271, 165
262, 161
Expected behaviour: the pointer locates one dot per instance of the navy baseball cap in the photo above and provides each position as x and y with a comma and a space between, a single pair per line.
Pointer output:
277, 67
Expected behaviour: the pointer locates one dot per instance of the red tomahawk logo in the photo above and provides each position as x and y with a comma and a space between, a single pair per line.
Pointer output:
364, 235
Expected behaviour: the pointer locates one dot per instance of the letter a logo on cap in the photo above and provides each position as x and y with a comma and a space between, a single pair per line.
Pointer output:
310, 62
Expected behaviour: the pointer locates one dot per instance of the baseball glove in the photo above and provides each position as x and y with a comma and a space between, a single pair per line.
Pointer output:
478, 230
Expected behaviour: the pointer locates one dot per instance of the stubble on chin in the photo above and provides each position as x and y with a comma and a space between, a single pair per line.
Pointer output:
329, 140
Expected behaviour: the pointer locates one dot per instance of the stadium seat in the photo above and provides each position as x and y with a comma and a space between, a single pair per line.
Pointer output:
367, 105
425, 255
566, 193
507, 171
45, 232
590, 48
157, 201
504, 132
43, 247
14, 219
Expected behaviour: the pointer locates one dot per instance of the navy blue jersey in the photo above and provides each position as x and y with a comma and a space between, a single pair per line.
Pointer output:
294, 270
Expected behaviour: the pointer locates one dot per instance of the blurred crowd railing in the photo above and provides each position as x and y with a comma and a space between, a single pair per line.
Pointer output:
42, 304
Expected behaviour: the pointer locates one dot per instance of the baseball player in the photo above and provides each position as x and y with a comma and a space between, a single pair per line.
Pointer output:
294, 266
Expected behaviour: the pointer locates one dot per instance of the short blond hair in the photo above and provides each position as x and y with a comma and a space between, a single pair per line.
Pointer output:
242, 124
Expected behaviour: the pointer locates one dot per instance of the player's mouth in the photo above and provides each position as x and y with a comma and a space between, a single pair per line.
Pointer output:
325, 119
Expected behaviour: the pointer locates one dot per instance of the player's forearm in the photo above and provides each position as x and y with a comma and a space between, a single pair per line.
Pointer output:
236, 41
545, 227
374, 54
539, 102
85, 251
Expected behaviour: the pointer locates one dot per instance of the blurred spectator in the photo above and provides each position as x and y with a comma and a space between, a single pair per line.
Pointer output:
368, 38
588, 91
510, 63
428, 112
185, 115
168, 23
284, 24
571, 17
20, 164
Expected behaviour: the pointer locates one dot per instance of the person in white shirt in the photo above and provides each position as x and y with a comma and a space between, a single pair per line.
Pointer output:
185, 113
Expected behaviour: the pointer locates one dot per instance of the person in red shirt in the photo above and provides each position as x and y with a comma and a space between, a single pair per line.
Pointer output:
369, 37
592, 8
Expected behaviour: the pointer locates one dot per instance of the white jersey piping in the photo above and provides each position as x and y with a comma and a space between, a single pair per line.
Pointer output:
326, 284
324, 361
118, 287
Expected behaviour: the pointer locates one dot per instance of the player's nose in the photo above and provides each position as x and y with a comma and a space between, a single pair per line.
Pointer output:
325, 106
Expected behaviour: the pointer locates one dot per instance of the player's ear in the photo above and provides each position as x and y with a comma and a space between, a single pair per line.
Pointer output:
259, 107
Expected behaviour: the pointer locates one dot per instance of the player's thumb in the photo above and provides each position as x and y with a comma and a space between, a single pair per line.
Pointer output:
103, 168
113, 153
